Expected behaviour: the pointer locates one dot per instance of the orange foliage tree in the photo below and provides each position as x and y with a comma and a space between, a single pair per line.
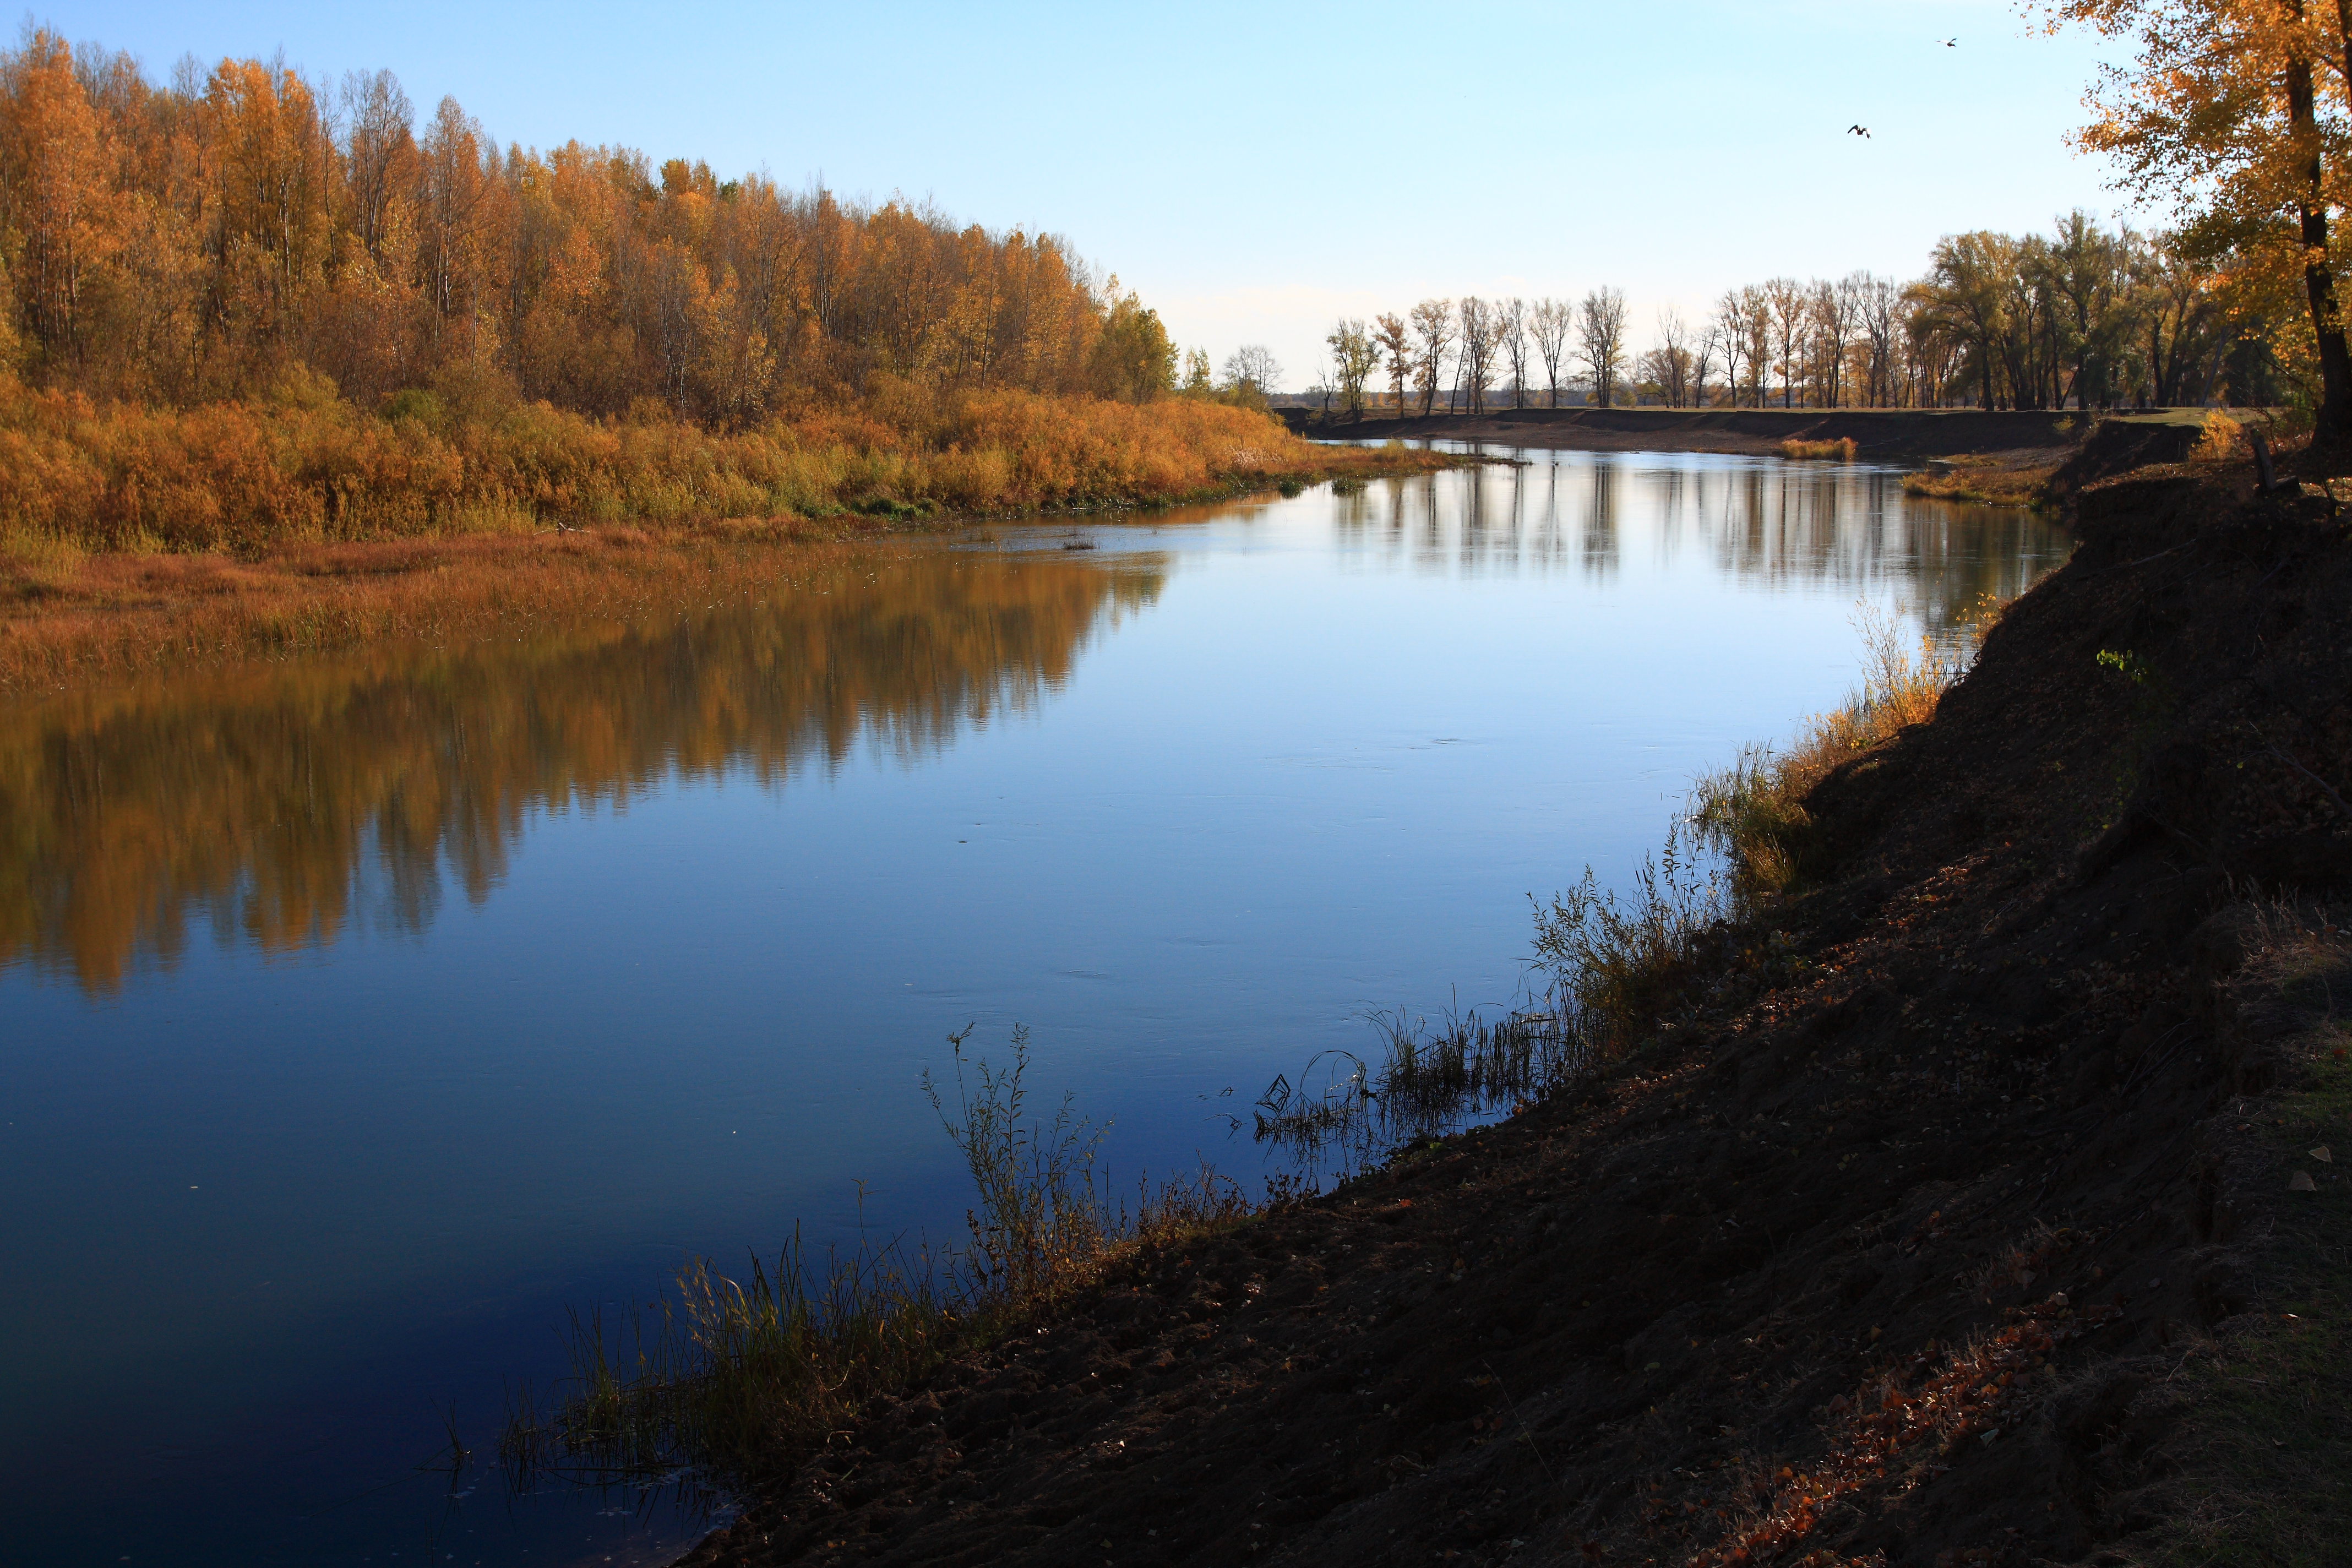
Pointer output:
2239, 113
207, 239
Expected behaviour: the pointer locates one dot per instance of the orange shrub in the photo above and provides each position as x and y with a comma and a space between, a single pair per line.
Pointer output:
240, 475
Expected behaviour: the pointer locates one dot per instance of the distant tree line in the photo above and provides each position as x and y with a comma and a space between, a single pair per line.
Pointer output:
2082, 317
207, 238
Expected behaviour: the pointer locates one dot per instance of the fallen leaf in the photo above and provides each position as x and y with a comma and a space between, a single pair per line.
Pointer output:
2301, 1182
2323, 1156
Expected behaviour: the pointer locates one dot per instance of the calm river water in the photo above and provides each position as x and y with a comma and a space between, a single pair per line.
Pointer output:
359, 1017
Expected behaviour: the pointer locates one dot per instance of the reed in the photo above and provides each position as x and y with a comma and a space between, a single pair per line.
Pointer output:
739, 1376
1841, 450
1754, 810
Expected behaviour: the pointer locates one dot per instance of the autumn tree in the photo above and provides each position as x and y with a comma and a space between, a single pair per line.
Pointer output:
222, 232
1393, 339
1354, 358
57, 198
2221, 116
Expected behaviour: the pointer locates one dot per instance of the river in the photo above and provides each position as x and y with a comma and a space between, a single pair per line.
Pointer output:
362, 1017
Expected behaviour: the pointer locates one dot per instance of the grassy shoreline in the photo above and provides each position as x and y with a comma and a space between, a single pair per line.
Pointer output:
69, 612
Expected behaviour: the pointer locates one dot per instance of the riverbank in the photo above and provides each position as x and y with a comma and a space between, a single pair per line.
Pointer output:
1879, 434
1963, 1211
67, 612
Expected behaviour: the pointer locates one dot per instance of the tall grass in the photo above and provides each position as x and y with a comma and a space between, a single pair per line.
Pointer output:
737, 1376
1754, 810
1615, 965
1342, 1113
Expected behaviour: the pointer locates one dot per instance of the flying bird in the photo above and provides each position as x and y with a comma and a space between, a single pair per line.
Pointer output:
1857, 131
1949, 43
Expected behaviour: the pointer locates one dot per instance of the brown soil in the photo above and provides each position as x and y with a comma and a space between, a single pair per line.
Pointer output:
1881, 435
1879, 1252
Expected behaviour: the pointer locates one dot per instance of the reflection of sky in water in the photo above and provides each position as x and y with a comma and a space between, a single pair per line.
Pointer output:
364, 1014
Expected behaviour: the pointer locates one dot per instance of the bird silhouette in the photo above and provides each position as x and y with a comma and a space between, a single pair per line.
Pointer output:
1857, 131
1949, 43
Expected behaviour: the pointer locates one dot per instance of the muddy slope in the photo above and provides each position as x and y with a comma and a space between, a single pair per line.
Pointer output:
1884, 435
1880, 1254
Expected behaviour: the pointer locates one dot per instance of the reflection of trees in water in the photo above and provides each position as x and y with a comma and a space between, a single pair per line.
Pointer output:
284, 803
1766, 522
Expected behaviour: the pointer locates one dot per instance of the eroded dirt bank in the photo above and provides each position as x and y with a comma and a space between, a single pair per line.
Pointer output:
1902, 1246
1883, 434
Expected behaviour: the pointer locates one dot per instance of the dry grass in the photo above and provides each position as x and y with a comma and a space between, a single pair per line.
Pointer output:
1754, 810
315, 468
1841, 450
1987, 483
741, 1376
1621, 965
112, 595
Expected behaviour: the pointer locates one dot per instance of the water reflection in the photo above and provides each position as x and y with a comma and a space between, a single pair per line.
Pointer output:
1762, 521
284, 805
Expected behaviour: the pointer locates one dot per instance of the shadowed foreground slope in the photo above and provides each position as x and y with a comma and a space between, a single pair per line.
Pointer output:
1955, 1226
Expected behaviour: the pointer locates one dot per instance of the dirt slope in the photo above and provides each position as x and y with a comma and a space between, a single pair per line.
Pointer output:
1894, 1251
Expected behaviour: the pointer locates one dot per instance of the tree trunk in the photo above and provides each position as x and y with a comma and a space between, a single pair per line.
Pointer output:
2333, 427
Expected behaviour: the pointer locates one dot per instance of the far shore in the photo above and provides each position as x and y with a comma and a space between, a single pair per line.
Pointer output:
1881, 435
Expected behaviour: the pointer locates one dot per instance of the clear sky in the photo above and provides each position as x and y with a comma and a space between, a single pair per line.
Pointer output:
1256, 170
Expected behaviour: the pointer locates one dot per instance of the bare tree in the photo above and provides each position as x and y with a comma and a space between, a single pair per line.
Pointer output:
1730, 329
1837, 310
1253, 367
1756, 319
1791, 304
1601, 340
1394, 338
1511, 325
1878, 299
1480, 333
1432, 323
1674, 362
1551, 323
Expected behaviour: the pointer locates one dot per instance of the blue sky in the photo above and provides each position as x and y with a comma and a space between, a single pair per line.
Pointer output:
1257, 170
